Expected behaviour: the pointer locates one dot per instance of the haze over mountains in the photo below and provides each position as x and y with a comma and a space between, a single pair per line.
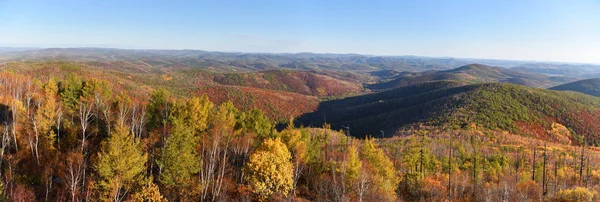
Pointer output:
475, 73
227, 61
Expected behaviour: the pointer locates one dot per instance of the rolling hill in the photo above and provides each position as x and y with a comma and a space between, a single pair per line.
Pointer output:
587, 86
475, 73
570, 70
459, 104
226, 61
281, 94
277, 105
301, 82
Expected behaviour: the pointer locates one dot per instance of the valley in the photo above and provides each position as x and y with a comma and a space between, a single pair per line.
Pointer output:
414, 128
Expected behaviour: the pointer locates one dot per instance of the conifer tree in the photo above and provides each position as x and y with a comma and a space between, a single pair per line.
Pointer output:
179, 159
70, 91
120, 164
385, 177
257, 122
48, 113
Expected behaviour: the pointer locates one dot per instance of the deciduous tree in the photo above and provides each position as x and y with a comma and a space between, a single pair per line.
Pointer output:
270, 170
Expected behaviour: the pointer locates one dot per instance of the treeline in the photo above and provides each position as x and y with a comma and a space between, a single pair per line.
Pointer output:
76, 139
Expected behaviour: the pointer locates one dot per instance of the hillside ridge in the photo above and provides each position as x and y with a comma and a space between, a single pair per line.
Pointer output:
587, 86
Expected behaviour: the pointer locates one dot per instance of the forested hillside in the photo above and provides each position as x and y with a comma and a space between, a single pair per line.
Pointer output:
77, 139
475, 73
247, 62
280, 93
455, 104
144, 130
235, 61
587, 86
299, 101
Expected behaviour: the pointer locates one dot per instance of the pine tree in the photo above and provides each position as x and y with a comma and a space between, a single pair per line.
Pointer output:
159, 108
257, 122
70, 91
384, 176
47, 113
120, 164
356, 175
179, 159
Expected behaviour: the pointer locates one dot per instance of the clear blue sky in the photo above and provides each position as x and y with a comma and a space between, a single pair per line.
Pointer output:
542, 30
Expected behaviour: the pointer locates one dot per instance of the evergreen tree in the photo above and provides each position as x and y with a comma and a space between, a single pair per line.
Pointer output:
120, 164
159, 108
385, 177
179, 159
257, 122
70, 91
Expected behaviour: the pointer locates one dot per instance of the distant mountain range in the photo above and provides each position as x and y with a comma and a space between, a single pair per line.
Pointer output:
572, 70
475, 73
231, 61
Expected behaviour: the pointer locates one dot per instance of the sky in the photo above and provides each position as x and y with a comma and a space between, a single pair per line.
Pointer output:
539, 30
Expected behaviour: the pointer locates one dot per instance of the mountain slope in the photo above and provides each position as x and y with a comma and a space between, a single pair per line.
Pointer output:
277, 105
587, 86
452, 104
475, 73
302, 82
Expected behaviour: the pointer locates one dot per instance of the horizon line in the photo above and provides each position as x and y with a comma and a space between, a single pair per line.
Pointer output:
35, 48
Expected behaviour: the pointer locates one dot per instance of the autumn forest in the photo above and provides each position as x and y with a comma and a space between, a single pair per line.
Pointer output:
173, 130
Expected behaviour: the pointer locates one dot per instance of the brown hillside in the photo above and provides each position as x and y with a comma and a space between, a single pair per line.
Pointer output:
276, 104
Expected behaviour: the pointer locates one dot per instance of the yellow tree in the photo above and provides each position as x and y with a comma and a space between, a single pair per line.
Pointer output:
198, 110
43, 117
356, 175
120, 164
48, 113
384, 176
149, 193
215, 150
270, 170
296, 141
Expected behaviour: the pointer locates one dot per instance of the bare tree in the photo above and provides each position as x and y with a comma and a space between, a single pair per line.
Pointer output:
85, 116
544, 182
450, 168
138, 120
534, 162
581, 161
73, 173
363, 183
59, 118
104, 106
